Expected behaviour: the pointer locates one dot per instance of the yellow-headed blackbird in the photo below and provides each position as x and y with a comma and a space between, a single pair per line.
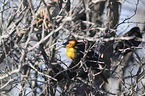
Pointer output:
128, 45
75, 51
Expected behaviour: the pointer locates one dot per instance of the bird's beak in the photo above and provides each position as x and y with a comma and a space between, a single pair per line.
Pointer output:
64, 44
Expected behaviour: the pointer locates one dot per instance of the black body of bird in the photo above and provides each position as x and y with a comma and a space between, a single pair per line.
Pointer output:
76, 51
129, 45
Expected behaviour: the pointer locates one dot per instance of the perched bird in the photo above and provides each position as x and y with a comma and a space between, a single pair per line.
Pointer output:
75, 51
126, 46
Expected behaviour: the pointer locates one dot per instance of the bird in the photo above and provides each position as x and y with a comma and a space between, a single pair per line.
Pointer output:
126, 46
76, 51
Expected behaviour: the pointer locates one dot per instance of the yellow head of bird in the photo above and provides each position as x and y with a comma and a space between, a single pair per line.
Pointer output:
70, 43
70, 53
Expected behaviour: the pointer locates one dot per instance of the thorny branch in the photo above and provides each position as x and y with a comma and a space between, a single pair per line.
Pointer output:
31, 40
